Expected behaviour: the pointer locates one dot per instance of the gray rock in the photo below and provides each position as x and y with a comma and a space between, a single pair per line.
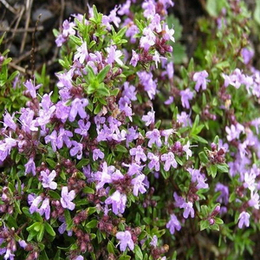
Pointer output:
45, 14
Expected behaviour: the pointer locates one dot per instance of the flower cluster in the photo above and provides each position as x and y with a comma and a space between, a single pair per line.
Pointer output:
89, 170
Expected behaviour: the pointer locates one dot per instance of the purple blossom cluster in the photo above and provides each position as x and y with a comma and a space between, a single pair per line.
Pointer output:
90, 154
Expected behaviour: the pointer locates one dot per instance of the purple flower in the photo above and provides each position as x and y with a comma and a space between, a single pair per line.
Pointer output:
31, 89
125, 106
169, 160
200, 79
9, 254
167, 133
131, 135
133, 168
26, 119
184, 119
247, 55
66, 198
197, 177
224, 193
254, 200
149, 9
138, 185
65, 81
154, 241
173, 224
104, 176
64, 137
125, 8
250, 180
155, 138
97, 153
146, 79
234, 131
135, 58
148, 39
139, 154
118, 202
47, 179
168, 33
187, 150
81, 53
125, 240
83, 128
114, 55
186, 95
34, 202
235, 79
22, 243
188, 209
30, 167
52, 138
62, 111
243, 219
45, 208
129, 91
79, 257
131, 31
76, 149
9, 122
154, 161
78, 107
149, 118
170, 70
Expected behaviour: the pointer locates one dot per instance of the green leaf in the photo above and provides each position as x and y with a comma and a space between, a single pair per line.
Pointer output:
40, 233
204, 224
257, 12
219, 221
114, 92
103, 91
212, 170
91, 224
49, 229
11, 221
124, 257
97, 109
120, 148
69, 221
82, 162
214, 7
44, 256
54, 194
51, 162
102, 74
88, 190
199, 139
222, 167
76, 40
203, 157
91, 210
138, 253
110, 247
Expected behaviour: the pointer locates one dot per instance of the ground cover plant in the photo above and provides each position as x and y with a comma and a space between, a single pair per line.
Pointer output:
129, 156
